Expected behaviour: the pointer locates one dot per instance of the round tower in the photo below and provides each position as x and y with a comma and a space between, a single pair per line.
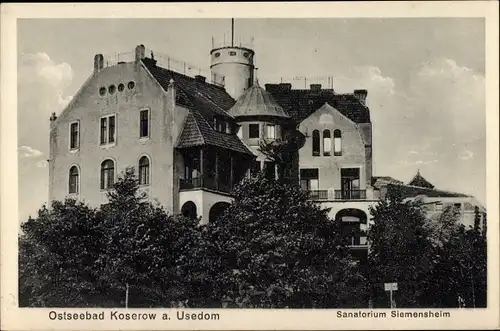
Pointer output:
235, 63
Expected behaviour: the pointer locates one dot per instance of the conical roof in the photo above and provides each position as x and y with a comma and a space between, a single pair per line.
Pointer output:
420, 181
257, 102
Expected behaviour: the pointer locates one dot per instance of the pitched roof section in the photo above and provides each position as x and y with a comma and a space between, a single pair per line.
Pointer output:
299, 104
204, 101
409, 191
257, 102
420, 181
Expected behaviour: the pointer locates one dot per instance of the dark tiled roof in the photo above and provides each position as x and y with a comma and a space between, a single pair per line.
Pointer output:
299, 104
420, 181
205, 101
413, 191
191, 134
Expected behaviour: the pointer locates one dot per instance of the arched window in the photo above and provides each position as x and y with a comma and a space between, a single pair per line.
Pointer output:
337, 142
327, 143
107, 174
144, 170
315, 136
74, 180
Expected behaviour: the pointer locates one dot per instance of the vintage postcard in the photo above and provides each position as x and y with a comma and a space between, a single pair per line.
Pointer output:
250, 166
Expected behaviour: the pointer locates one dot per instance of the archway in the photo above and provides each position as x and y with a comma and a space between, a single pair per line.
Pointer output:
351, 215
217, 210
189, 210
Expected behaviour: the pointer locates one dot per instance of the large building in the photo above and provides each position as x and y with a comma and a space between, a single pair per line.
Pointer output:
192, 140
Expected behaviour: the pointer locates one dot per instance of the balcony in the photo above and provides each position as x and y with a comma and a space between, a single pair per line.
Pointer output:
350, 194
207, 182
318, 194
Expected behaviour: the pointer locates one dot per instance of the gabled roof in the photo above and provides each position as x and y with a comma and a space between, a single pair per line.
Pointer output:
299, 104
420, 181
205, 101
197, 132
257, 102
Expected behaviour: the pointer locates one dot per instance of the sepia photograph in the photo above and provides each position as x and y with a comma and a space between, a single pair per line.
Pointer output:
193, 164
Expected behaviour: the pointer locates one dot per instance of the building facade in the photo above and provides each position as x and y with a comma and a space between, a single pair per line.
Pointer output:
191, 141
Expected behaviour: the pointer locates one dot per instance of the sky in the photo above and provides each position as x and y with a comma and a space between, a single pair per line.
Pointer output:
425, 79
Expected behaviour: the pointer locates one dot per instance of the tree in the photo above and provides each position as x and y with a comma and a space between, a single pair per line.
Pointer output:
274, 247
400, 251
284, 153
57, 252
144, 247
75, 256
459, 277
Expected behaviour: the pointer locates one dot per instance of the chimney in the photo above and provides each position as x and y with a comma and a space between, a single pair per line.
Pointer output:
361, 95
200, 78
98, 63
315, 87
140, 53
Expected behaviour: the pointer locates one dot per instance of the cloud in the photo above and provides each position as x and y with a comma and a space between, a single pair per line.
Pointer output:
433, 119
28, 152
42, 85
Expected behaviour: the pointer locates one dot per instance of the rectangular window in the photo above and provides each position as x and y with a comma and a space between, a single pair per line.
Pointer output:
104, 130
350, 182
144, 123
309, 179
112, 129
253, 131
108, 130
222, 127
74, 139
271, 131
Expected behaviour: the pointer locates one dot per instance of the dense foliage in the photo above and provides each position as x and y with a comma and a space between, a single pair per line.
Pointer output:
272, 248
436, 261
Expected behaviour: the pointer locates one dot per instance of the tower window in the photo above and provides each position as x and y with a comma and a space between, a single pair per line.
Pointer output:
108, 129
271, 131
144, 123
107, 174
253, 131
112, 89
315, 143
337, 141
74, 135
246, 54
327, 143
102, 91
232, 53
121, 87
144, 171
74, 180
131, 85
217, 54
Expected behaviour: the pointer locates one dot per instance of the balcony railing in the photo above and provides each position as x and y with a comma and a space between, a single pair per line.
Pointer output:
350, 194
208, 182
318, 194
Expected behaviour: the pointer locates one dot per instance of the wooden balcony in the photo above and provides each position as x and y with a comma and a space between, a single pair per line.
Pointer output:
207, 182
